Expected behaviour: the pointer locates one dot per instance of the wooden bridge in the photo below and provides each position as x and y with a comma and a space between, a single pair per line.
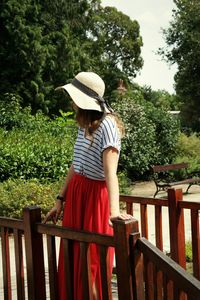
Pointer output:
143, 271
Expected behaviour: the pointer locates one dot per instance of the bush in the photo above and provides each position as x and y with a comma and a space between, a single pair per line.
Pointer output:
17, 194
34, 146
151, 135
188, 150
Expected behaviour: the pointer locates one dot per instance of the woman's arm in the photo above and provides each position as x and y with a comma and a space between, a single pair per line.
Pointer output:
110, 163
55, 212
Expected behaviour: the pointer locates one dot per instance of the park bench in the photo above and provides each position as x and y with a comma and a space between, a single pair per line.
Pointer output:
165, 176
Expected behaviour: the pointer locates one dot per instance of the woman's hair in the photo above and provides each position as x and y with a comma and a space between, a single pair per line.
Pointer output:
91, 119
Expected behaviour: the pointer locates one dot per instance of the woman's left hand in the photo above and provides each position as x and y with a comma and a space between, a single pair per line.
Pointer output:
123, 216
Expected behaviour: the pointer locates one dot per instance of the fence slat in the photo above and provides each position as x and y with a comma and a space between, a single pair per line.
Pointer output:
34, 254
105, 273
144, 220
195, 219
158, 227
19, 264
129, 208
149, 282
53, 282
6, 263
68, 267
86, 270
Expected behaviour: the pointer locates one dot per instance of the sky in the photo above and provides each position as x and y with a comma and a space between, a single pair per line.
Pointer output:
152, 15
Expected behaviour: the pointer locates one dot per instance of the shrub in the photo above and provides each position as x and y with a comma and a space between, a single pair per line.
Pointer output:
188, 150
151, 135
34, 146
17, 194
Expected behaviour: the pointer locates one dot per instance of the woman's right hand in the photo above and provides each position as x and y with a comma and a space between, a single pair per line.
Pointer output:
54, 213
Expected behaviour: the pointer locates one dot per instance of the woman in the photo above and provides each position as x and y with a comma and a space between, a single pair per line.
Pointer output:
91, 190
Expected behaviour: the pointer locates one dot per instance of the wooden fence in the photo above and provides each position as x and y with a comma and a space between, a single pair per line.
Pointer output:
143, 271
176, 207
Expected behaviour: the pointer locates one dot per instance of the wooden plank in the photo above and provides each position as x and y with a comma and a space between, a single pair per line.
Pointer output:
195, 219
52, 267
72, 234
129, 208
149, 280
170, 167
144, 200
122, 231
6, 263
176, 226
86, 270
19, 264
183, 280
11, 223
34, 254
159, 284
68, 267
158, 227
137, 267
189, 205
105, 273
144, 220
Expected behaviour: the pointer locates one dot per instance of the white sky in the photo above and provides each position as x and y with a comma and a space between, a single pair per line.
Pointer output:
152, 15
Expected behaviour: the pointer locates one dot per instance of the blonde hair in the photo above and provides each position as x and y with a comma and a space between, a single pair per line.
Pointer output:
91, 119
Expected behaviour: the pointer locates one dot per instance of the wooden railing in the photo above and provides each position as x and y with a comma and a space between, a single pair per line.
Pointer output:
176, 207
142, 270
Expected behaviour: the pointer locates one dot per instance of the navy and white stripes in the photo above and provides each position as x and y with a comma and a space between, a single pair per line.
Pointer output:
88, 153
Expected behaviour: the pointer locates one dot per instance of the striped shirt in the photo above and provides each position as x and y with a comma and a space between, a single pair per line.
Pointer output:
88, 154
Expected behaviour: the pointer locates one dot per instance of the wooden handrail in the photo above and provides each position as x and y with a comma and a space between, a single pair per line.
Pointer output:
182, 279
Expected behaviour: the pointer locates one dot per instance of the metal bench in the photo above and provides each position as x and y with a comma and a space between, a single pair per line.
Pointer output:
164, 178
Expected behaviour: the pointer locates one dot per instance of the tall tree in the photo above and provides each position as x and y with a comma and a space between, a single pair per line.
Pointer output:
45, 43
183, 39
117, 45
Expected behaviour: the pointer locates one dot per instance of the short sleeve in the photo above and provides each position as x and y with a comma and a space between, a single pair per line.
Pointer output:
110, 134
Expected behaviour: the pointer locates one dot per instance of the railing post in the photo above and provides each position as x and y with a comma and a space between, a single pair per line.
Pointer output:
34, 254
128, 262
177, 235
176, 227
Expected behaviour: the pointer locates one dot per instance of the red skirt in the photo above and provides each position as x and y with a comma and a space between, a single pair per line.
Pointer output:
86, 208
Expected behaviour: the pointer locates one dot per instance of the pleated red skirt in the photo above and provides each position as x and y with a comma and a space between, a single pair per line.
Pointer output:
86, 208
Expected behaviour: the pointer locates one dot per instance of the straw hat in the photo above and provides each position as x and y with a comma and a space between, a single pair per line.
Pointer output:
87, 90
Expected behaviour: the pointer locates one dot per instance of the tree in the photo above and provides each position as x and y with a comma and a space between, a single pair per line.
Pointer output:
183, 40
116, 45
161, 98
41, 47
45, 43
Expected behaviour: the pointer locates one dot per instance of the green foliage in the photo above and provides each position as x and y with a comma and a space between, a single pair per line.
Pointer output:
161, 98
124, 183
45, 43
36, 147
167, 130
117, 46
188, 150
151, 134
188, 250
17, 194
183, 41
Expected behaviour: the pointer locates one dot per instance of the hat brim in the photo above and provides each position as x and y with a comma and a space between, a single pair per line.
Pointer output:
82, 100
